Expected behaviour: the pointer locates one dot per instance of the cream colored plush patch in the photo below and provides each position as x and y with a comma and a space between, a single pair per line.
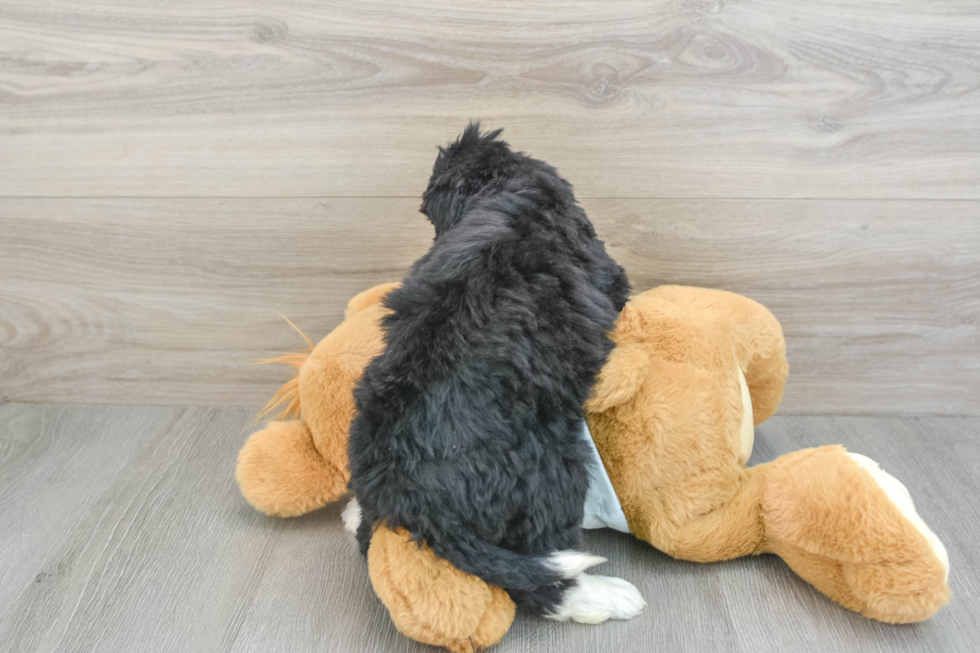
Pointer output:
900, 496
748, 425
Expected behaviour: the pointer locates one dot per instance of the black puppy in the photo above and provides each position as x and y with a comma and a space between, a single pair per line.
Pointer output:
468, 427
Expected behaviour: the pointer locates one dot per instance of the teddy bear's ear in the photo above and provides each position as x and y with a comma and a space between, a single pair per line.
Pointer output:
620, 379
369, 297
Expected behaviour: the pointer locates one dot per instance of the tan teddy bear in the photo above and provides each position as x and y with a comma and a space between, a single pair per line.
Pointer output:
672, 416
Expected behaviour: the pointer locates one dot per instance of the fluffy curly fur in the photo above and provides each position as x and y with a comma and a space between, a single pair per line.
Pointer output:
467, 426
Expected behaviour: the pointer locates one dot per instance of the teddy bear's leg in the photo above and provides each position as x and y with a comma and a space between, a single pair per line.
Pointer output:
851, 530
433, 602
280, 471
731, 530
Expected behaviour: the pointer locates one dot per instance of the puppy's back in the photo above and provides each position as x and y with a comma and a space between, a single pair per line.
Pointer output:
467, 425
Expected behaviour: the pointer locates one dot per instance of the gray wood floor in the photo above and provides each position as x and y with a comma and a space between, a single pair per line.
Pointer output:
123, 530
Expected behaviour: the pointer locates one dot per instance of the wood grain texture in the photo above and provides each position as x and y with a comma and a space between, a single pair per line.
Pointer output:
124, 531
671, 98
168, 301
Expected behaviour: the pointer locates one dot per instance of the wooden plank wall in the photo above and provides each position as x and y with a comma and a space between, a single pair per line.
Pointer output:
173, 173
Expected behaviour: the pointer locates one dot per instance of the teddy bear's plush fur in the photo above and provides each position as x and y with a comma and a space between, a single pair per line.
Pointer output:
291, 468
671, 415
669, 420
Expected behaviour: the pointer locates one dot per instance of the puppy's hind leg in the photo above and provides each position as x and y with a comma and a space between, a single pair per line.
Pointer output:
585, 598
592, 599
580, 597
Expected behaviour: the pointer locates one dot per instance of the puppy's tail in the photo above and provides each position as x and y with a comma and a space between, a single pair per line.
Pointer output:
512, 570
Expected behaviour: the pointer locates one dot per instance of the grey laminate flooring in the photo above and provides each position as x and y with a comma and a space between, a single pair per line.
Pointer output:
122, 529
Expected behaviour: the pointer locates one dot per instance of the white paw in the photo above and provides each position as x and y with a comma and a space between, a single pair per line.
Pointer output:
352, 516
597, 598
572, 563
900, 496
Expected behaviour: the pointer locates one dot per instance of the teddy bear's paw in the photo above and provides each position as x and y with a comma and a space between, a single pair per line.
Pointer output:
900, 497
851, 530
897, 593
280, 472
594, 599
905, 591
432, 601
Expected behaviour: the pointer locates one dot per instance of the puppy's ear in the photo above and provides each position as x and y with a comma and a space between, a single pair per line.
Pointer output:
620, 378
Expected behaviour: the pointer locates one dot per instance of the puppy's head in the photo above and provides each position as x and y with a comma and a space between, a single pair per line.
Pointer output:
462, 170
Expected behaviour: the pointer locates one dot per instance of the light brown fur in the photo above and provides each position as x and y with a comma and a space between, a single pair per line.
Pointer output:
433, 602
670, 443
665, 414
291, 468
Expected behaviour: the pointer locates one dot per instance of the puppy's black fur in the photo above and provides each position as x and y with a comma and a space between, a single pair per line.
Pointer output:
467, 431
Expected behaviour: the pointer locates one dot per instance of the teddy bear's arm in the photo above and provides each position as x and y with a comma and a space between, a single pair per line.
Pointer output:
280, 471
430, 600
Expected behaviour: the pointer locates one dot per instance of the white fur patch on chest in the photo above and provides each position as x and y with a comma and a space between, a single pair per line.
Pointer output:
602, 507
